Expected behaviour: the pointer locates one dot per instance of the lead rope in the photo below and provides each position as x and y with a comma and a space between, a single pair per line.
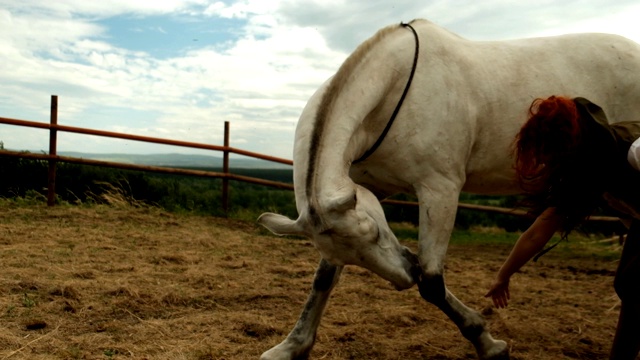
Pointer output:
397, 109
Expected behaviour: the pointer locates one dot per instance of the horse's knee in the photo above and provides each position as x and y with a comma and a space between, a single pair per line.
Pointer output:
325, 276
431, 287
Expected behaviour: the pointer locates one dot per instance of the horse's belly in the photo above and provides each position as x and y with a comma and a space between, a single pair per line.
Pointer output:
491, 185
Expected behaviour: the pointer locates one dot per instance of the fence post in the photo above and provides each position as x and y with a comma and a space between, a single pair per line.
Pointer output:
225, 169
53, 140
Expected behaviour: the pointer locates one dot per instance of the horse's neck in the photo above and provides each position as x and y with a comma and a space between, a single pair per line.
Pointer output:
335, 132
322, 167
377, 71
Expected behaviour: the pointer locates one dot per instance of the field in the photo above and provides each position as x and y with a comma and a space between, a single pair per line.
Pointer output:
123, 282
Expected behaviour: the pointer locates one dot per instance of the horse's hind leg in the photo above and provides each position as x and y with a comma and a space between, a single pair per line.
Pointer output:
437, 214
300, 340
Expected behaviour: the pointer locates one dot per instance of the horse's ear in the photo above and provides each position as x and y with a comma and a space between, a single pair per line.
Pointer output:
281, 225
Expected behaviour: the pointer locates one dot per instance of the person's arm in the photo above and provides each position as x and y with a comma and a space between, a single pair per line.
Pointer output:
531, 242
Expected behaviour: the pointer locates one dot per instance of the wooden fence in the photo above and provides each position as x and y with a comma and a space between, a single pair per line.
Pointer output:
53, 158
225, 175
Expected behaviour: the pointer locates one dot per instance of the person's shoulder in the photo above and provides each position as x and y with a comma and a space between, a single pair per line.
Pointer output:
583, 101
594, 118
592, 109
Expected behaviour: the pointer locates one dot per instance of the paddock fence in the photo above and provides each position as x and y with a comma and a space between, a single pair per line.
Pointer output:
226, 175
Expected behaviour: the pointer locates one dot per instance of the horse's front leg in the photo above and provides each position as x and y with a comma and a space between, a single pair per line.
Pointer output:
300, 340
438, 206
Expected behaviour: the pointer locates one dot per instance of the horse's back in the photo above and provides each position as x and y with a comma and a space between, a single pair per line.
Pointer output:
479, 93
469, 98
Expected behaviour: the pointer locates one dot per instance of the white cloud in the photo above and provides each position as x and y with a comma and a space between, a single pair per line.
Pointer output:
239, 10
259, 75
75, 8
280, 53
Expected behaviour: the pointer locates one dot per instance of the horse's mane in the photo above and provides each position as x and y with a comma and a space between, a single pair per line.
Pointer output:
333, 90
347, 68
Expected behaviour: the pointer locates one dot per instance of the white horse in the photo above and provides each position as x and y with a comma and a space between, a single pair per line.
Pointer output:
453, 133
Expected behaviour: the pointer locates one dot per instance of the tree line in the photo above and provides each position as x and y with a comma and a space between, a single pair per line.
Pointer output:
84, 184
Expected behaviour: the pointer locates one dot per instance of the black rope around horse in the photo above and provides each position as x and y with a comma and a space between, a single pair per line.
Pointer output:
397, 109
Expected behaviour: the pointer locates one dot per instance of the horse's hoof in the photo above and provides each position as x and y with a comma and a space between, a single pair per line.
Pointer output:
285, 351
499, 351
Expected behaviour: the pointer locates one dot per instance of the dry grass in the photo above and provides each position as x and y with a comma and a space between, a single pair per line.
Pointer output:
122, 282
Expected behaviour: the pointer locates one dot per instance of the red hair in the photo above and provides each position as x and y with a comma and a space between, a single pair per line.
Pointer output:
548, 139
564, 159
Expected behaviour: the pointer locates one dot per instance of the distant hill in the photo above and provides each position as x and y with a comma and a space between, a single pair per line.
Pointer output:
178, 160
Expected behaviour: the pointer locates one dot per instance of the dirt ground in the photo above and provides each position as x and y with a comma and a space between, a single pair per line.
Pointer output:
138, 283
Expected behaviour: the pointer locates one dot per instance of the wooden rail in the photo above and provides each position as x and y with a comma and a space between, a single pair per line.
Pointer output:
53, 158
497, 210
225, 175
157, 169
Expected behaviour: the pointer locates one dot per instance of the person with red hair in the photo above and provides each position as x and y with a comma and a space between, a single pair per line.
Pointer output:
568, 159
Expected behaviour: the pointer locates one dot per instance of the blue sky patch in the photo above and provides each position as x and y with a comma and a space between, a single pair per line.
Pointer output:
168, 36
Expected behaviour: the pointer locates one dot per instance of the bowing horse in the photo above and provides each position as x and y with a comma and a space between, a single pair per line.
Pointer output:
417, 109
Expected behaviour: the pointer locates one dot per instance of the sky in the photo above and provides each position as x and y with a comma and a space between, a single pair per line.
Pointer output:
179, 69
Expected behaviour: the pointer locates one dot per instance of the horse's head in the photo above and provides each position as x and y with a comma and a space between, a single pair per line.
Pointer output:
351, 229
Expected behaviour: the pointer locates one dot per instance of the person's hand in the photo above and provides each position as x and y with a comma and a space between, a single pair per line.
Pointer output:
499, 293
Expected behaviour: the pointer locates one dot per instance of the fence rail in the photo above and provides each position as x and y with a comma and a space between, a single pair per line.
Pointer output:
53, 158
225, 175
157, 169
